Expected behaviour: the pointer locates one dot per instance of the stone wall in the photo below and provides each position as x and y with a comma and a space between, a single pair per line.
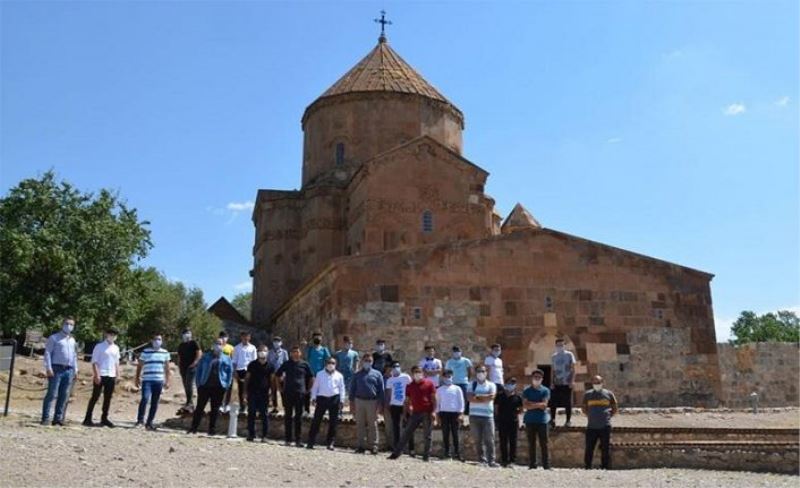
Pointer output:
770, 369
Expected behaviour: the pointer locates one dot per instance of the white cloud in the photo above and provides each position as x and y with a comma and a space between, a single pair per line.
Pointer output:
735, 109
243, 286
782, 102
240, 206
614, 140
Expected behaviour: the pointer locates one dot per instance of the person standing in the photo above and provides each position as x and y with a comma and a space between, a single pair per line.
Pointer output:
347, 361
381, 358
462, 371
449, 407
61, 367
276, 356
105, 371
563, 377
509, 406
257, 385
599, 405
536, 418
316, 355
481, 395
243, 354
189, 354
153, 375
214, 376
420, 407
227, 350
430, 365
327, 395
366, 401
395, 394
494, 365
296, 376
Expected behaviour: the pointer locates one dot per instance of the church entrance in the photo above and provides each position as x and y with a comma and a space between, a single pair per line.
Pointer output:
548, 369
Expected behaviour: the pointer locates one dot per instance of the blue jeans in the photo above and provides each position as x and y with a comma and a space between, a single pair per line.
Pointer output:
151, 392
58, 384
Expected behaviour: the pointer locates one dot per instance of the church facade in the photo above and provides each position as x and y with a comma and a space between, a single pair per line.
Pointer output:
392, 236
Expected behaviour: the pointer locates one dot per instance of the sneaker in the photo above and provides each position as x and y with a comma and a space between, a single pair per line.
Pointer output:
374, 451
107, 423
331, 447
274, 411
263, 440
58, 423
88, 423
138, 425
227, 409
493, 465
45, 422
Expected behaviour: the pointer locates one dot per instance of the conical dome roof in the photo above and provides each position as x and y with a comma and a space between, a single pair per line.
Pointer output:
519, 219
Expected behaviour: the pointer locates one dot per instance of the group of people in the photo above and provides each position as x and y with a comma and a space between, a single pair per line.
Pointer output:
371, 384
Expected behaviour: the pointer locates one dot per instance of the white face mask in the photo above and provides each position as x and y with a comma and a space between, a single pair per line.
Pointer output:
396, 371
68, 327
496, 353
481, 376
597, 386
330, 368
418, 376
559, 348
187, 337
276, 345
380, 347
536, 382
110, 339
457, 355
262, 354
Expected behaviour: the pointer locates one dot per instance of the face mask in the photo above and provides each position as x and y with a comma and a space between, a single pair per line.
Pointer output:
67, 328
496, 352
317, 341
510, 387
187, 337
276, 345
559, 348
396, 371
457, 355
536, 382
348, 346
380, 347
262, 354
110, 339
481, 376
417, 376
366, 366
597, 387
157, 344
447, 381
217, 349
430, 354
330, 367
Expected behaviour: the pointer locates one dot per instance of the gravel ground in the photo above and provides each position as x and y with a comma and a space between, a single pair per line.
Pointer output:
32, 455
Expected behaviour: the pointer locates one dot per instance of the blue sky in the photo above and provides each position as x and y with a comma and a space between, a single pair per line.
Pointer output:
670, 128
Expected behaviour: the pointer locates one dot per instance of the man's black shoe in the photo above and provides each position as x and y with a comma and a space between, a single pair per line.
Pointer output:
88, 423
58, 423
107, 423
360, 450
393, 456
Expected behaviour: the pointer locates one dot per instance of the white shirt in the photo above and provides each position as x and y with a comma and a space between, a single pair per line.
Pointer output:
494, 369
449, 398
396, 385
328, 385
431, 365
243, 355
106, 357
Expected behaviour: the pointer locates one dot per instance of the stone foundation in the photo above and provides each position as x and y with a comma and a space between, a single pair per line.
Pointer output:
770, 369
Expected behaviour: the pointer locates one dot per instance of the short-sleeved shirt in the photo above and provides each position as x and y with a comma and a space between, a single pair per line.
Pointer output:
484, 409
460, 369
153, 364
494, 368
562, 367
295, 376
187, 351
106, 357
508, 406
316, 358
431, 364
260, 375
599, 404
537, 395
422, 396
397, 387
381, 361
346, 360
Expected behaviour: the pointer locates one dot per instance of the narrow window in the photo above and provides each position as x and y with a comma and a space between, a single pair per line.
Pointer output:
339, 154
427, 221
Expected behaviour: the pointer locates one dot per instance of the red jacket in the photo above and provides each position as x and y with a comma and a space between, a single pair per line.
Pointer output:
422, 396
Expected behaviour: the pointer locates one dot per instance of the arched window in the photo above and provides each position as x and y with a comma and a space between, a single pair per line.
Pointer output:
339, 153
427, 221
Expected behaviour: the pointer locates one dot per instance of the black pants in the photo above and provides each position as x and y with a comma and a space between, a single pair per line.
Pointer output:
508, 440
293, 414
396, 411
541, 431
604, 436
240, 376
450, 426
204, 394
307, 404
561, 397
331, 405
107, 387
408, 432
257, 405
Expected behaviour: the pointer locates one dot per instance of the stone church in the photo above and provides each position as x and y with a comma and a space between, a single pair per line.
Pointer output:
392, 236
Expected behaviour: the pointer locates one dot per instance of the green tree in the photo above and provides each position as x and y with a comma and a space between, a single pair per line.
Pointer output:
243, 303
66, 252
783, 326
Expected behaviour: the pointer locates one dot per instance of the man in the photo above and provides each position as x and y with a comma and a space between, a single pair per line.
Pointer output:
61, 367
214, 376
430, 365
449, 407
276, 356
257, 385
347, 361
494, 365
366, 401
599, 405
509, 406
420, 407
563, 377
327, 395
243, 354
153, 375
536, 418
105, 371
316, 355
296, 376
189, 354
395, 394
480, 394
381, 359
462, 371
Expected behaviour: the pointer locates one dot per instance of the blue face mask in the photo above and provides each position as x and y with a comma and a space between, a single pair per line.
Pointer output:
447, 381
510, 387
366, 366
67, 328
157, 344
457, 355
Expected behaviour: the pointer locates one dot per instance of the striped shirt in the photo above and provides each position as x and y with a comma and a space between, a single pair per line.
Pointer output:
153, 364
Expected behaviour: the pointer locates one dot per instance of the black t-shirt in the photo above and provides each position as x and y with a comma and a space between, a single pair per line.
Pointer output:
260, 375
187, 351
508, 406
381, 361
295, 376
